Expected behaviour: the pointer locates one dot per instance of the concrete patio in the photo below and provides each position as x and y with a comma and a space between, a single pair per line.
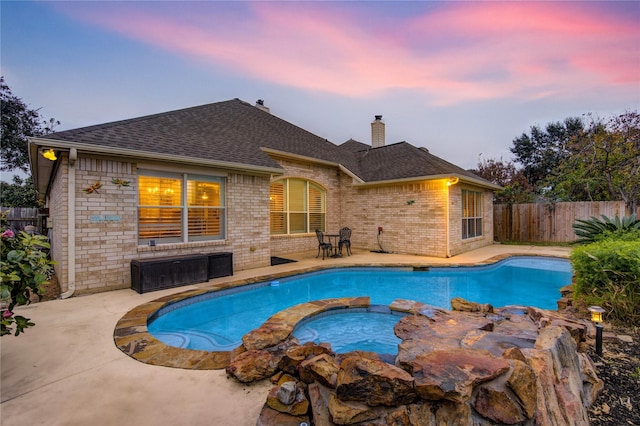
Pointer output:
67, 370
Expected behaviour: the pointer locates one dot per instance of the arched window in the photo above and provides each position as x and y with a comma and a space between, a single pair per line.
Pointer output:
296, 206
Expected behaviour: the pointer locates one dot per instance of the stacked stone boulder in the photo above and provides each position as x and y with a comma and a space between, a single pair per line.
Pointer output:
480, 366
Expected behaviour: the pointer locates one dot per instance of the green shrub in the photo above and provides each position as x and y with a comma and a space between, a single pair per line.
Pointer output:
595, 229
24, 267
607, 274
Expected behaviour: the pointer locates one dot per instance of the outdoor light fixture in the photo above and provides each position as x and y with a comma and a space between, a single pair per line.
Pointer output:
453, 181
596, 316
49, 154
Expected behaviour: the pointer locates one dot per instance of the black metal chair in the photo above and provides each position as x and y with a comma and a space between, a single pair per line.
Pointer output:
322, 245
345, 240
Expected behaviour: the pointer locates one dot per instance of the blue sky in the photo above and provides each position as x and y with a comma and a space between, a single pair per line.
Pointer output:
460, 78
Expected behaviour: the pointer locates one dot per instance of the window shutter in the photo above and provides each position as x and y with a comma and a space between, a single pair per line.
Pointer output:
316, 208
277, 202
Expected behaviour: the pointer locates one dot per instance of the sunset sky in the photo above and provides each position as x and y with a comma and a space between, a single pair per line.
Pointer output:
460, 78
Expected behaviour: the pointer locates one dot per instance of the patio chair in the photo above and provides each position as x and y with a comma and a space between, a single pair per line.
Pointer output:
322, 245
345, 240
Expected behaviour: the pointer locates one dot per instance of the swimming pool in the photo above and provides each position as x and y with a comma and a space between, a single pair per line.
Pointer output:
216, 321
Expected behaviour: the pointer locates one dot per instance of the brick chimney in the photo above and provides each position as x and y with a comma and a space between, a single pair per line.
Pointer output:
260, 105
377, 132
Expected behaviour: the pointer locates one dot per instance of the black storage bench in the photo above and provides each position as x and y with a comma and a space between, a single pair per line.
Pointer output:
220, 265
166, 272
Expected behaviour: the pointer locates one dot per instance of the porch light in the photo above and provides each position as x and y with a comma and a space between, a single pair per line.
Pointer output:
453, 181
49, 154
597, 317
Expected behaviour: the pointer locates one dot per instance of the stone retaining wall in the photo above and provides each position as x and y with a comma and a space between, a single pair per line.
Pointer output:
477, 366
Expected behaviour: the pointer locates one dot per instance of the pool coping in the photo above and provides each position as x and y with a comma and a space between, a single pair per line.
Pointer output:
132, 336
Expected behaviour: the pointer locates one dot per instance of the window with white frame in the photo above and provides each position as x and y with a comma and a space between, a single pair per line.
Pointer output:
471, 214
180, 207
296, 206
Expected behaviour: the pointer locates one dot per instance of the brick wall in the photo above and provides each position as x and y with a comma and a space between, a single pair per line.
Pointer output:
412, 216
106, 225
457, 244
57, 221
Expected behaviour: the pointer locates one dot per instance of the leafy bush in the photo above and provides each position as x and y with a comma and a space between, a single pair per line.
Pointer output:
595, 229
607, 274
24, 268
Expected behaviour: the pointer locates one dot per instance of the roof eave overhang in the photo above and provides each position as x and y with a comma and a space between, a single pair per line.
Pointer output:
314, 160
41, 168
447, 176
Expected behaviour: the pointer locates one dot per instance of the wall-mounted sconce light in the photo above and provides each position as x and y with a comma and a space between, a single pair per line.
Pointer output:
49, 154
597, 317
453, 181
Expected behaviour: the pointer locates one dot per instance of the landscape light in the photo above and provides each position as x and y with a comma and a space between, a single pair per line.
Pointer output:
597, 314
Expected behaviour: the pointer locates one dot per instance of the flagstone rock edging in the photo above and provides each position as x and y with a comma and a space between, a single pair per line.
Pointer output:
514, 365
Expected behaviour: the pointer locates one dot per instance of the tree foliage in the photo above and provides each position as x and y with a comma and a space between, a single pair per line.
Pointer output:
542, 151
603, 163
20, 193
517, 188
18, 123
581, 159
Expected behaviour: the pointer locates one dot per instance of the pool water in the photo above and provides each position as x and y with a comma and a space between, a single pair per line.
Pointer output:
217, 321
352, 329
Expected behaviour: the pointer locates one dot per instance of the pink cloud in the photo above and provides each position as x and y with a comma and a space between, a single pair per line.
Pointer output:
453, 53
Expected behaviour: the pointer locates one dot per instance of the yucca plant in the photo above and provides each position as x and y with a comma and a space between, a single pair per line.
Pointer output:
595, 229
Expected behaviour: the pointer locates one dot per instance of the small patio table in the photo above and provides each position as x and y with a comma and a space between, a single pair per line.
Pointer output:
334, 239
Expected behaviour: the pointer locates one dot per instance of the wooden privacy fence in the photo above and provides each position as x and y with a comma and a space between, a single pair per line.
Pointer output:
19, 217
548, 223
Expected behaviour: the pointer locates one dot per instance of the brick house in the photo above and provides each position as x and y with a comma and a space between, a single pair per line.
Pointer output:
232, 177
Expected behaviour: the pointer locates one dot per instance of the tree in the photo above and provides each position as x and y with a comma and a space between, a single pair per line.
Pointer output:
504, 173
542, 151
18, 123
21, 193
603, 163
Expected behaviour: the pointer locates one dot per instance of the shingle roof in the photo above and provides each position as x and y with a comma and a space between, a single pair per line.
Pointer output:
402, 161
230, 131
236, 131
353, 145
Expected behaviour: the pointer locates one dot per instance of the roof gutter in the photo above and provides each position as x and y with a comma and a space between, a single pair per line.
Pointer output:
147, 155
461, 178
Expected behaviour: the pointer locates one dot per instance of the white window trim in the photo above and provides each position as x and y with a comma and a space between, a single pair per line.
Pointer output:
184, 207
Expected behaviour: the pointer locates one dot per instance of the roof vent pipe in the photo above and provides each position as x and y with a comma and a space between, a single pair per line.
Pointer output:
377, 132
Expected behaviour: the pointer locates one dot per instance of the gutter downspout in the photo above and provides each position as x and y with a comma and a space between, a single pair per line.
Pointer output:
447, 251
71, 225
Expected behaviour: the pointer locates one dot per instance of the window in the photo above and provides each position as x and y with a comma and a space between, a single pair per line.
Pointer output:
471, 214
180, 208
296, 206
